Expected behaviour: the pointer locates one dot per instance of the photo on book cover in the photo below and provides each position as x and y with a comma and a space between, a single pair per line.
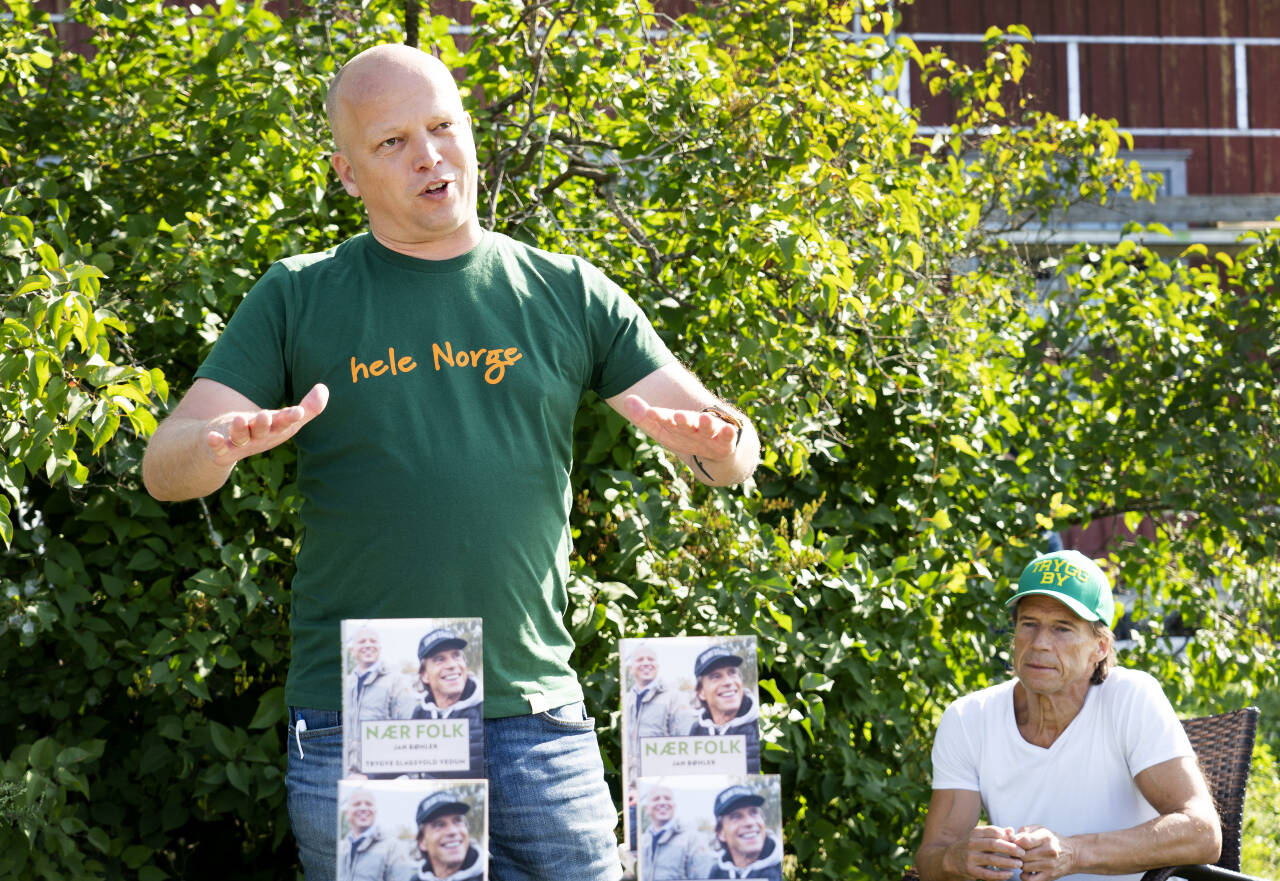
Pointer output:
709, 826
412, 698
690, 705
413, 830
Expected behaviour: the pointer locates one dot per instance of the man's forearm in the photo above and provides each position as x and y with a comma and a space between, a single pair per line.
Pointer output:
1175, 839
931, 863
177, 465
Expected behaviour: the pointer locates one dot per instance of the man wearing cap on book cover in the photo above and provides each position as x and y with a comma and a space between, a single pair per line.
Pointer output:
373, 690
450, 691
365, 853
748, 849
1080, 766
725, 708
444, 849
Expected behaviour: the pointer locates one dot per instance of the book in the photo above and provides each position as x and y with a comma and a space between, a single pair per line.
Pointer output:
412, 698
700, 826
413, 828
690, 706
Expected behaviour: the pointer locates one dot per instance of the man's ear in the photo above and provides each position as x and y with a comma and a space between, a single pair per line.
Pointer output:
346, 174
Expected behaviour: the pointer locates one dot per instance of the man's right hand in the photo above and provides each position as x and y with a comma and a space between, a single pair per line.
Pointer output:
193, 451
989, 853
235, 436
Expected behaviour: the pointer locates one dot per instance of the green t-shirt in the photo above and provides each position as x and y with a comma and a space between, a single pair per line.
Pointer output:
436, 482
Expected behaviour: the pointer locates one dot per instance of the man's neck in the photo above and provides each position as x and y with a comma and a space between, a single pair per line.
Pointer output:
446, 248
362, 669
445, 870
745, 859
1042, 718
721, 720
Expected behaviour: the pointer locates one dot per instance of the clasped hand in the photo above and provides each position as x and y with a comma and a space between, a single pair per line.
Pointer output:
993, 853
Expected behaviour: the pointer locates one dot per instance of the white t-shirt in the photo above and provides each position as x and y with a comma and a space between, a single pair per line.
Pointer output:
1083, 783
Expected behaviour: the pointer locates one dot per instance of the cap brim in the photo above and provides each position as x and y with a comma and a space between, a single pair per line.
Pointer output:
741, 801
445, 644
724, 661
453, 807
1070, 602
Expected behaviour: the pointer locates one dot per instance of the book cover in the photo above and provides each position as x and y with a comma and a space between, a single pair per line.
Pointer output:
709, 826
412, 698
413, 829
690, 706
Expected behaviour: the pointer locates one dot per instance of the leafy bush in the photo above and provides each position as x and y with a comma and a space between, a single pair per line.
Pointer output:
927, 409
1258, 855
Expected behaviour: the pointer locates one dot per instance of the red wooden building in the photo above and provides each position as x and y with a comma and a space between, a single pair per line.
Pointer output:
1186, 75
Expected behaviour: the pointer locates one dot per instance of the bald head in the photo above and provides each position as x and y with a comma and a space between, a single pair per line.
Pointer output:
404, 147
372, 72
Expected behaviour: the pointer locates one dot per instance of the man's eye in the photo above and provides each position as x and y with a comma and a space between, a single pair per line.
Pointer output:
390, 142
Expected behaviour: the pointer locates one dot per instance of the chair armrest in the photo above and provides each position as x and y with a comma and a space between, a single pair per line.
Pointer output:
1210, 873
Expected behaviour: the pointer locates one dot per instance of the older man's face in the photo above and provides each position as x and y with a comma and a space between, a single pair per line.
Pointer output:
644, 666
660, 805
367, 649
405, 148
444, 840
361, 812
1054, 649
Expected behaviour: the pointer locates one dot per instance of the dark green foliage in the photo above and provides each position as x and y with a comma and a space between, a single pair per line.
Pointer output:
927, 411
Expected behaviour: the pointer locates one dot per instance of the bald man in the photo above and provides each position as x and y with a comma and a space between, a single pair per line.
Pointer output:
437, 367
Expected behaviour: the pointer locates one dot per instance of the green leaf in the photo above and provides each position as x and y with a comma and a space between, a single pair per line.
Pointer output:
238, 776
33, 283
99, 839
271, 709
223, 740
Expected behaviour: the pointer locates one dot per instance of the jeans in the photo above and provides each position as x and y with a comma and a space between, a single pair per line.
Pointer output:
551, 817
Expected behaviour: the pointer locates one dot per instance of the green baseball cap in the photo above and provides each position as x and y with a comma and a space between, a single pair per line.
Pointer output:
1074, 580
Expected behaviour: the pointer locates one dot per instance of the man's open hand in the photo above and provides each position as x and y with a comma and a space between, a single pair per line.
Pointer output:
238, 435
694, 433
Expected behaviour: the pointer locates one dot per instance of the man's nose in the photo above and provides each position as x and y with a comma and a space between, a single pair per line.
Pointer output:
426, 153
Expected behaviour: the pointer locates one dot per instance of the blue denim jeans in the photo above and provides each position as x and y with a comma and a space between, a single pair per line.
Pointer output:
551, 817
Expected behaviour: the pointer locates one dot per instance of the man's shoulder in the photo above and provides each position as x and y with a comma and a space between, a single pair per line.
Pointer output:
662, 691
1127, 677
541, 260
320, 261
341, 251
1124, 685
982, 701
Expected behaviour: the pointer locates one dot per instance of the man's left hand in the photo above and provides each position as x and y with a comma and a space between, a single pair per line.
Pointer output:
1047, 856
691, 432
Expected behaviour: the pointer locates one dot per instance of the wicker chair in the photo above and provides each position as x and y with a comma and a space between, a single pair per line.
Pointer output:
1224, 748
